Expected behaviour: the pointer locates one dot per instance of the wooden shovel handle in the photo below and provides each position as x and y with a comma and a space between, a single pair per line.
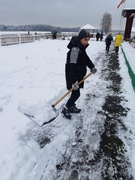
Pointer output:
71, 90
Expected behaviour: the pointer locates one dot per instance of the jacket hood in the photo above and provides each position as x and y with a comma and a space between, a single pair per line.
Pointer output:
75, 42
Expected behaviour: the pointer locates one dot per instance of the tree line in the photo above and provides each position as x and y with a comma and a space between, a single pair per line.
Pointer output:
38, 27
105, 26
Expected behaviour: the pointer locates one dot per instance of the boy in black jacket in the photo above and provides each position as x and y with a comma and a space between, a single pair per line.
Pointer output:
76, 65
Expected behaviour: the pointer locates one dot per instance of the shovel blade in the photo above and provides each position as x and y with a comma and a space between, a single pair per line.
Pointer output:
53, 118
40, 114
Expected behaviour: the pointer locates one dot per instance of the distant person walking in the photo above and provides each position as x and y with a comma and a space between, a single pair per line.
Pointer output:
108, 41
97, 36
101, 36
118, 39
54, 34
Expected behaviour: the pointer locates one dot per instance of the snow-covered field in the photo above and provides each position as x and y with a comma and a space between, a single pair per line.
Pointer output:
32, 77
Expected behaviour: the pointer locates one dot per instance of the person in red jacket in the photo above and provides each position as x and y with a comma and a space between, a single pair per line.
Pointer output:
75, 69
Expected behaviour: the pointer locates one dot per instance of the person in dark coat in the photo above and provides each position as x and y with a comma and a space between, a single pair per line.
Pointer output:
101, 36
75, 69
108, 41
54, 34
97, 36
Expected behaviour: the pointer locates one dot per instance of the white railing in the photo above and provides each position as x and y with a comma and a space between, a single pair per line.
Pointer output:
11, 39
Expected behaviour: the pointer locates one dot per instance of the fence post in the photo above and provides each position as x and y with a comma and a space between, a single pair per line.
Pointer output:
19, 36
44, 36
34, 37
0, 41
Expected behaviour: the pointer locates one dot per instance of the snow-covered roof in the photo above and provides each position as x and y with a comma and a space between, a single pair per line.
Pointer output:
87, 26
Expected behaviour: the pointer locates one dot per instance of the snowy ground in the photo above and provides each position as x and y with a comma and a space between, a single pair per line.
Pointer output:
97, 144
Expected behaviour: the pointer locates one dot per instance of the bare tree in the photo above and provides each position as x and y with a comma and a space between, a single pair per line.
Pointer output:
106, 22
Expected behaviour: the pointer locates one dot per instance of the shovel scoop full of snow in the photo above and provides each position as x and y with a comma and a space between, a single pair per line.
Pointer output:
38, 111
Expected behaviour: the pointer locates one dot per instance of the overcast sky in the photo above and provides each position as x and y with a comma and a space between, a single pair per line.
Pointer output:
64, 13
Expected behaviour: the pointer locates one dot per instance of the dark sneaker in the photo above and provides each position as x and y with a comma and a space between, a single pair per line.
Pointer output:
65, 112
77, 108
74, 109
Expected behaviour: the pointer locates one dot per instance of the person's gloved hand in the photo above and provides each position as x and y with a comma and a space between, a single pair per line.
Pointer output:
93, 70
75, 85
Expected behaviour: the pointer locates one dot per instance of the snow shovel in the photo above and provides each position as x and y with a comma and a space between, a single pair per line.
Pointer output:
41, 116
53, 106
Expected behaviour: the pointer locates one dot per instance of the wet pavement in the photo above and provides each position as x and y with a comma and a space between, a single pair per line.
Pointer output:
98, 151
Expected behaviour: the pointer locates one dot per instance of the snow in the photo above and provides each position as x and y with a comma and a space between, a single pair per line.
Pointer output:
130, 55
133, 29
32, 78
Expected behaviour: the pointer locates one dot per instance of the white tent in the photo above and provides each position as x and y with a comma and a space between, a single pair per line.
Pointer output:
88, 27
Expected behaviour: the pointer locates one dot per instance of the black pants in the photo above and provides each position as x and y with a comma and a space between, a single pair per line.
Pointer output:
73, 98
117, 49
107, 48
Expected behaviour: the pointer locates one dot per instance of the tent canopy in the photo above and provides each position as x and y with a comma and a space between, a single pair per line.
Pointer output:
88, 27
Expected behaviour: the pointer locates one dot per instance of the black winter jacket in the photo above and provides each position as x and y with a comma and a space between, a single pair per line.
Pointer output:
77, 62
108, 40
